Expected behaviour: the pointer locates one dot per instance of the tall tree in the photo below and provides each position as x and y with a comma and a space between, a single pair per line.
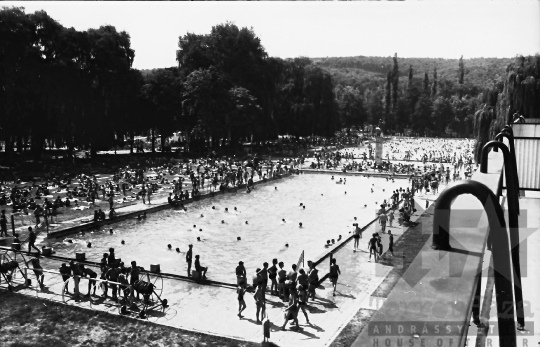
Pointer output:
395, 82
426, 82
411, 74
434, 85
388, 96
461, 76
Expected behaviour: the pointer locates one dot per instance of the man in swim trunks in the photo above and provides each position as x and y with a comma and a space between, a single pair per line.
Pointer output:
241, 290
112, 275
282, 276
240, 273
380, 246
66, 274
382, 221
357, 235
334, 274
372, 245
189, 255
92, 282
259, 302
302, 300
134, 276
313, 279
77, 273
390, 217
38, 271
292, 275
272, 275
264, 277
391, 243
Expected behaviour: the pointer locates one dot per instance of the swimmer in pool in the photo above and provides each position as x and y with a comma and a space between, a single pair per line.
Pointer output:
372, 190
202, 215
227, 209
139, 217
304, 207
283, 220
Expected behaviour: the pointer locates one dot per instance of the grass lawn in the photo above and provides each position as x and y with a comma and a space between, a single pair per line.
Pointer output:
27, 321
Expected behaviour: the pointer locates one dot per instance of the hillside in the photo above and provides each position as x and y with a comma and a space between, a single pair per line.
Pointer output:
370, 72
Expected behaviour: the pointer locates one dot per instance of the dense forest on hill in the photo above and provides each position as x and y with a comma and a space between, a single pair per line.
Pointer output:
370, 72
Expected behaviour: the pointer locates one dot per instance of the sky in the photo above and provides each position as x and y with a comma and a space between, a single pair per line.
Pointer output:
317, 29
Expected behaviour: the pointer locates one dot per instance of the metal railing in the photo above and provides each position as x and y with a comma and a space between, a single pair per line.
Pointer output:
501, 256
513, 208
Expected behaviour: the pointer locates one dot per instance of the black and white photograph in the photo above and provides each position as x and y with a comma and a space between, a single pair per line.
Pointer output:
270, 173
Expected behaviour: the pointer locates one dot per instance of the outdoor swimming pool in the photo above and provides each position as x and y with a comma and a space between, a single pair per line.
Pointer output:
329, 213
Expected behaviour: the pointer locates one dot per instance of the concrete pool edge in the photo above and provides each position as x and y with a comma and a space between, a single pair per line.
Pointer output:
352, 173
154, 208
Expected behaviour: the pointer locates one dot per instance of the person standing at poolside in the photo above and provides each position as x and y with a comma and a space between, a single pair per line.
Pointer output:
77, 273
259, 302
264, 278
357, 235
334, 274
272, 275
292, 275
240, 273
189, 255
390, 217
382, 221
313, 278
302, 300
282, 276
241, 290
372, 245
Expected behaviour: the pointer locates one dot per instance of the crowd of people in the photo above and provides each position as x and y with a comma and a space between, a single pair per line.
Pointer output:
186, 180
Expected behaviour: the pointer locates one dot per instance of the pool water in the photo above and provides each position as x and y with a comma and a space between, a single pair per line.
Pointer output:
329, 213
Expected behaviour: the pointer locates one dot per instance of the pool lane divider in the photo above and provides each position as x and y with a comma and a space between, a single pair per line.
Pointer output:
357, 173
155, 208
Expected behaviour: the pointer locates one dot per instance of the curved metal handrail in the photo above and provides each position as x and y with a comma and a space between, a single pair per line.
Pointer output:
501, 257
513, 208
509, 134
